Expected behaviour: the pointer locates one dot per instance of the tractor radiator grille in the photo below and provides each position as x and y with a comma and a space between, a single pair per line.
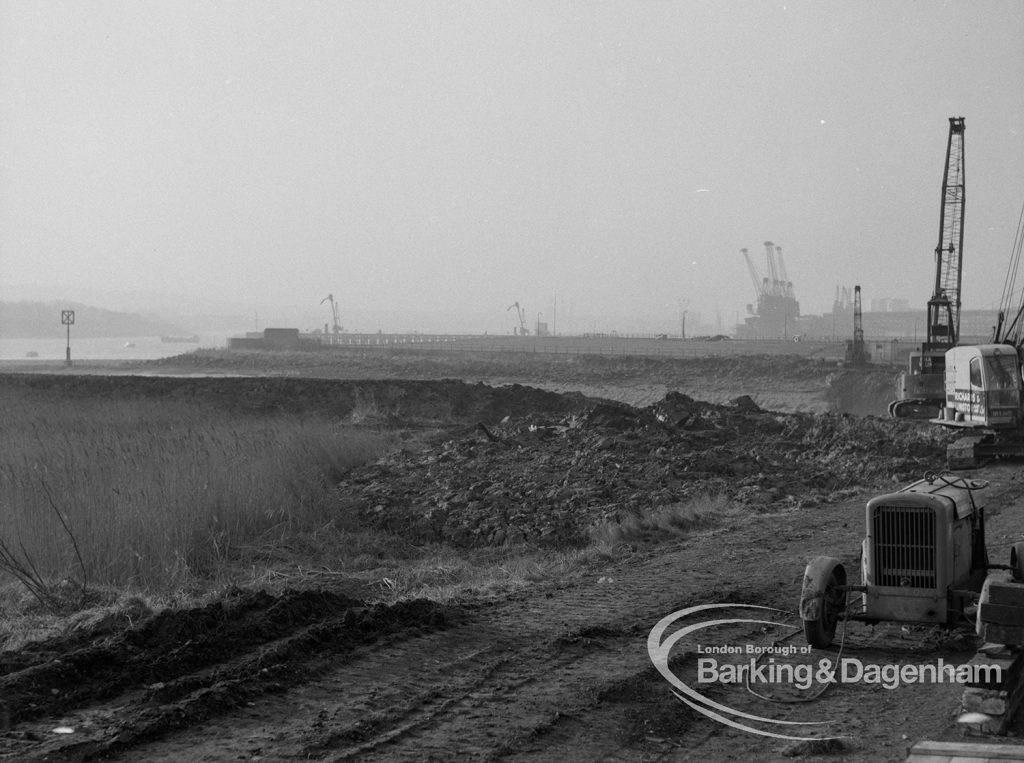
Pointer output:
904, 552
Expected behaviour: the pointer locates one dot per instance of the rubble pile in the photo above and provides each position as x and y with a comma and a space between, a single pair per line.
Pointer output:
550, 479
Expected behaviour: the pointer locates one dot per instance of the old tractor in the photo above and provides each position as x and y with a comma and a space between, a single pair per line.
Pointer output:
923, 560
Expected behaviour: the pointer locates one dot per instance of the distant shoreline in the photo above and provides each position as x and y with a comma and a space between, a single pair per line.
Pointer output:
110, 367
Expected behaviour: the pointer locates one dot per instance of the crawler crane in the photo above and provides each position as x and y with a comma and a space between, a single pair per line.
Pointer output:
984, 392
920, 390
856, 350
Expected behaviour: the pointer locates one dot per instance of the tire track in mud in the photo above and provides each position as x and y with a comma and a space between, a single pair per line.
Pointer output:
182, 667
472, 691
564, 673
562, 653
507, 676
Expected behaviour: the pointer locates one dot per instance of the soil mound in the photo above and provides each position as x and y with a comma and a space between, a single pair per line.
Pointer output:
553, 479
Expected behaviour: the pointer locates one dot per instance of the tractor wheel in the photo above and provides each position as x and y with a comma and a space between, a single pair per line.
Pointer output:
821, 628
1017, 561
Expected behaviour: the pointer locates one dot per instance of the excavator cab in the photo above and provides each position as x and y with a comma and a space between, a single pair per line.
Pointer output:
919, 389
983, 387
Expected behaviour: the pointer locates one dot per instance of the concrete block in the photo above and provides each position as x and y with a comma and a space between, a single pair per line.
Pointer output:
1006, 673
1005, 592
1012, 635
978, 724
992, 649
1001, 614
988, 701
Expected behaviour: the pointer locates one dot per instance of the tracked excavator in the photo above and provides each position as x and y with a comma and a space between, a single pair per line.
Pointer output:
984, 392
920, 389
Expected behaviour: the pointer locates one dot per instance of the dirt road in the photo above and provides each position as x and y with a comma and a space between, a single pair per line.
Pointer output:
558, 673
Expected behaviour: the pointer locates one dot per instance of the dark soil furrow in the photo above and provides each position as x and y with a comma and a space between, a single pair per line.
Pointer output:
180, 701
164, 647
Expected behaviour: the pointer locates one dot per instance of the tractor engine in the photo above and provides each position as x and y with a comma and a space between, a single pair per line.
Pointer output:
924, 548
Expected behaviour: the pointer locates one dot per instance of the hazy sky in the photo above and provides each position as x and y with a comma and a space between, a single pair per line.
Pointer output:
452, 158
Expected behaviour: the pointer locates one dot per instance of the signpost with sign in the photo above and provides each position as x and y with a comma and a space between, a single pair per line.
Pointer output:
67, 318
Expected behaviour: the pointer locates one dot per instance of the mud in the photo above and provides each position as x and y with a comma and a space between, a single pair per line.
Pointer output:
861, 391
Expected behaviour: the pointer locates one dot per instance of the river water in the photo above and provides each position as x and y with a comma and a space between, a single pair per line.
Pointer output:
104, 348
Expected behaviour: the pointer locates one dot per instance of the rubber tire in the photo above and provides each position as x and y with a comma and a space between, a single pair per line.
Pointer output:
1017, 561
820, 632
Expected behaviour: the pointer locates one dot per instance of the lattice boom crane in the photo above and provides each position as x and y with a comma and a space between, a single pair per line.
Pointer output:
944, 306
920, 390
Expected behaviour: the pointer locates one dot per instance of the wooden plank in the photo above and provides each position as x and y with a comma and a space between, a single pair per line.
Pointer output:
968, 750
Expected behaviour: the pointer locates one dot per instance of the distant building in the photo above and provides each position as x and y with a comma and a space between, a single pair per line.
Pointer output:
273, 339
890, 305
777, 317
903, 325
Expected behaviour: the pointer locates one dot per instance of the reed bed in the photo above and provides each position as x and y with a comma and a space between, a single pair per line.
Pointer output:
154, 495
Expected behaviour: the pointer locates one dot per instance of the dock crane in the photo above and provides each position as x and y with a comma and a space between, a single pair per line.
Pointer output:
920, 390
777, 287
336, 326
760, 284
521, 314
787, 285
